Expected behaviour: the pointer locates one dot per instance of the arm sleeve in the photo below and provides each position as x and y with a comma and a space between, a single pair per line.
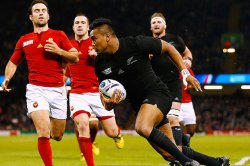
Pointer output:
181, 48
65, 42
18, 54
149, 45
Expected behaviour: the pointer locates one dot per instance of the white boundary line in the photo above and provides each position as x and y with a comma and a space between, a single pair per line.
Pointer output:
242, 160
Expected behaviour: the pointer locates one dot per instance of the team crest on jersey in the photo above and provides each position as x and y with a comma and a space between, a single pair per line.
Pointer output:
50, 39
107, 71
35, 104
27, 43
131, 60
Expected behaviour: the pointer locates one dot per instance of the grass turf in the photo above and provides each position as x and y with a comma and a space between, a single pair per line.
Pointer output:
22, 151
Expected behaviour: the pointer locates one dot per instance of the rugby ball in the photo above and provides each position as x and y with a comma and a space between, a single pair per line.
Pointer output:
108, 86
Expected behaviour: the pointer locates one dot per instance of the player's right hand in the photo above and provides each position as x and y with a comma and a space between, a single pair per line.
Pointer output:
5, 84
110, 103
92, 53
194, 83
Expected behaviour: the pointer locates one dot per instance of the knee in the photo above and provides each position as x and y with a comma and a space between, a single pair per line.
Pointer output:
112, 132
82, 126
57, 137
57, 134
191, 133
43, 132
143, 130
174, 120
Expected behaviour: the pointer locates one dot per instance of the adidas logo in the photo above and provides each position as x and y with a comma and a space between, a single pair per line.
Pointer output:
40, 46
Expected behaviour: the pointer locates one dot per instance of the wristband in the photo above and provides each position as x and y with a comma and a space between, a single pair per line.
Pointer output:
185, 73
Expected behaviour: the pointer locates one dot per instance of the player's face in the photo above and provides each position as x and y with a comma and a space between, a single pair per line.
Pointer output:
40, 15
157, 26
81, 26
99, 40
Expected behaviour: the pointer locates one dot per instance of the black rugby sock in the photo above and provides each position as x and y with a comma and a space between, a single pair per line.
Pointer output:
177, 133
160, 139
186, 139
201, 158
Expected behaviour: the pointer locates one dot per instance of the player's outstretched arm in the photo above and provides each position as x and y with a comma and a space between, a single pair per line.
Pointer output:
9, 72
177, 59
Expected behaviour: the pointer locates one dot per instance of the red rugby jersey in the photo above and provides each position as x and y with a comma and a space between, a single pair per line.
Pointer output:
82, 74
186, 96
45, 69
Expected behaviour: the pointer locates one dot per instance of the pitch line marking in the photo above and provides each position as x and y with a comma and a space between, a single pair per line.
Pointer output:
242, 160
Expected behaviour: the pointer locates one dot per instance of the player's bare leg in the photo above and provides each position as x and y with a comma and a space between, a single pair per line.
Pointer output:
84, 140
202, 158
42, 124
150, 116
57, 128
94, 126
112, 130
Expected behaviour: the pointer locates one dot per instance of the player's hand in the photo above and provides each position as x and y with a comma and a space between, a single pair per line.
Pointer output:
92, 53
5, 84
52, 47
110, 103
192, 81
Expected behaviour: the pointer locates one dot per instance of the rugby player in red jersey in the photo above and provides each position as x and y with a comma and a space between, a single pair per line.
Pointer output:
84, 96
187, 114
46, 52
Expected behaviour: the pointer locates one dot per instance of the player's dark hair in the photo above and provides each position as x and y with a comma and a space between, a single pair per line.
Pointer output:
35, 2
101, 23
81, 14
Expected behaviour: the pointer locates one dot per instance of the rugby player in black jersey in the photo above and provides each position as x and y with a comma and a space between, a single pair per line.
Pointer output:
126, 60
168, 71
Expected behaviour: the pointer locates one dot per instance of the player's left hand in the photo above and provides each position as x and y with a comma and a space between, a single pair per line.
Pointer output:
52, 47
192, 81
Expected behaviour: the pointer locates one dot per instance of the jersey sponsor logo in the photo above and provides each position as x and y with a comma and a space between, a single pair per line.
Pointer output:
120, 71
107, 71
27, 43
40, 46
130, 60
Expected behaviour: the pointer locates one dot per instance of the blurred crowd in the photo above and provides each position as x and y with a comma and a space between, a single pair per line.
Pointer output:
201, 25
213, 113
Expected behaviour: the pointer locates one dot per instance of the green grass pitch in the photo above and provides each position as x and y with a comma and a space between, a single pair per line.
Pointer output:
22, 150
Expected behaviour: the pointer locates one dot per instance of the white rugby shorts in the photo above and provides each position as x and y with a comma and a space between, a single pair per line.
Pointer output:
88, 102
52, 99
187, 114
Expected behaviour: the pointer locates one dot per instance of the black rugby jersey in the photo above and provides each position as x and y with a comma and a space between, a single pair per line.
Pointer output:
131, 66
163, 66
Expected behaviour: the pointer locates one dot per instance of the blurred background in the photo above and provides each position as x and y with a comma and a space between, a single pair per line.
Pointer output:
216, 32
